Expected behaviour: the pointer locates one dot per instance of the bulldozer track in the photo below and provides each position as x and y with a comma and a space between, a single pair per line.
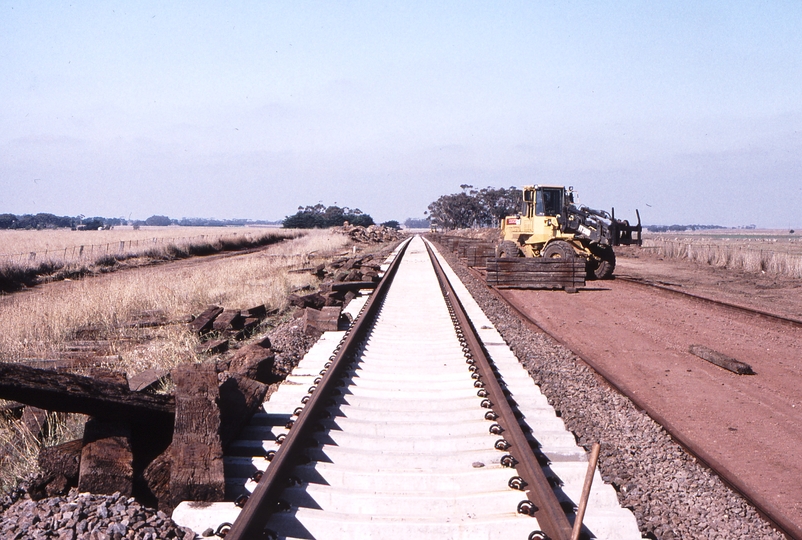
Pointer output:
416, 422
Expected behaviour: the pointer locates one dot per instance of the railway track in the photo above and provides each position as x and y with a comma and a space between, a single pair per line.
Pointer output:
768, 509
418, 421
712, 301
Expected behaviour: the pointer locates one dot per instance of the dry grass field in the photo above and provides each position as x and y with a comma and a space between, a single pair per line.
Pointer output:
30, 257
40, 323
771, 252
16, 246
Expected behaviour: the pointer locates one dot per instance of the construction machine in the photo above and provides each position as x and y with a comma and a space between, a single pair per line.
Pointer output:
552, 224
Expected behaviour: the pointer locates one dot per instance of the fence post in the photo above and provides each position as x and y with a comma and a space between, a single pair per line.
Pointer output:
32, 256
81, 252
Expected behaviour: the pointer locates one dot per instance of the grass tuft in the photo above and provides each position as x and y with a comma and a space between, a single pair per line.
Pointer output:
19, 448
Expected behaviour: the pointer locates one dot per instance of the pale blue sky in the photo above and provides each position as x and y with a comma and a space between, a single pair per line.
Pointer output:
250, 109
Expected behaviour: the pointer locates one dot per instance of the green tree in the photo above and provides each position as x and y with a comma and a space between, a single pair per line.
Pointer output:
415, 223
7, 221
160, 221
474, 208
319, 216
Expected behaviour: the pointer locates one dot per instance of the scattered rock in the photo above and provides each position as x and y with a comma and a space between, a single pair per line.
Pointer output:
374, 234
82, 516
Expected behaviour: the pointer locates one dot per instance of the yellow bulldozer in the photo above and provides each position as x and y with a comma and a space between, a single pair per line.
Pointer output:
551, 224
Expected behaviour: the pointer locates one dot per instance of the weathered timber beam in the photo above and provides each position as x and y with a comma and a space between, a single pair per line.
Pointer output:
721, 360
348, 286
66, 392
107, 461
196, 471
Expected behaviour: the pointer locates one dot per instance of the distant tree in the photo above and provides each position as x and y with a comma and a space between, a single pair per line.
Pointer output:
45, 220
26, 221
362, 220
320, 216
8, 221
392, 224
113, 222
474, 208
498, 203
160, 221
414, 223
93, 224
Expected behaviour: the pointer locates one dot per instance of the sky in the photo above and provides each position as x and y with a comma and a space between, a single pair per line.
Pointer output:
690, 111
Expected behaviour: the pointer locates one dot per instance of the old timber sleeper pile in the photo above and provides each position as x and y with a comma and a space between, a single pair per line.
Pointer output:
400, 428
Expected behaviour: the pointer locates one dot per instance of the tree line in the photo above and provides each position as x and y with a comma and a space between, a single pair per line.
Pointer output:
52, 221
321, 217
83, 223
680, 228
475, 207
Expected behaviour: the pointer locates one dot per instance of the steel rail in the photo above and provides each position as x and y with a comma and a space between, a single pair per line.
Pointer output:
550, 515
770, 511
264, 500
720, 303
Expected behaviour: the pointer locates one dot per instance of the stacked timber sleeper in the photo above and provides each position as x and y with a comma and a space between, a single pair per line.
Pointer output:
407, 450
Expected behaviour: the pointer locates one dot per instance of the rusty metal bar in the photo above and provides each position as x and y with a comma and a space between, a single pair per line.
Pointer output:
265, 497
796, 323
550, 515
583, 500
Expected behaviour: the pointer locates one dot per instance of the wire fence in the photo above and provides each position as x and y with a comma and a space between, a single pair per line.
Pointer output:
91, 252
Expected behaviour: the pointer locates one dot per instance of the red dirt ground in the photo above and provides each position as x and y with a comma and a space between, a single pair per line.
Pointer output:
751, 424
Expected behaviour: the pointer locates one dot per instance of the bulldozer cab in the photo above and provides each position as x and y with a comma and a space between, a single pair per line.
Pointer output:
546, 201
538, 222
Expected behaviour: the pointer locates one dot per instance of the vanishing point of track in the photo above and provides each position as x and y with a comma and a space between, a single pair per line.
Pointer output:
421, 423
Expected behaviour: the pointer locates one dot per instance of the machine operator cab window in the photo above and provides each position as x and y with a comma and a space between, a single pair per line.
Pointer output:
548, 201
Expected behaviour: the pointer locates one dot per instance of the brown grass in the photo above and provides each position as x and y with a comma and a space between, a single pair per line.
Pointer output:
20, 447
64, 244
29, 257
779, 254
40, 323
